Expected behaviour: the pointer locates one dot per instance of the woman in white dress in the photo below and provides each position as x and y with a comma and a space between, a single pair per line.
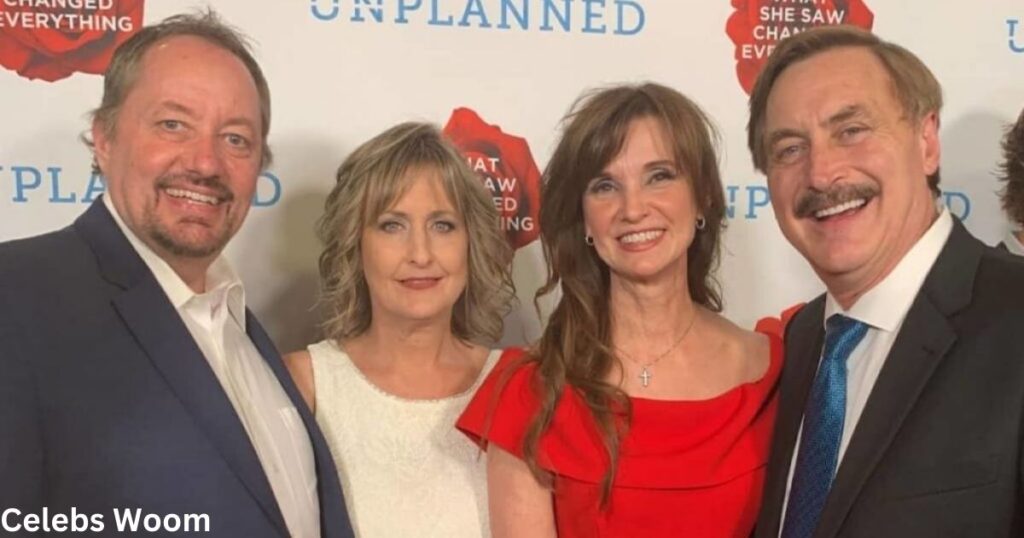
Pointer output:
415, 281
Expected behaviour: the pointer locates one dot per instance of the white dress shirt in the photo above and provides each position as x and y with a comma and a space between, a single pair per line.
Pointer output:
216, 320
1013, 244
883, 309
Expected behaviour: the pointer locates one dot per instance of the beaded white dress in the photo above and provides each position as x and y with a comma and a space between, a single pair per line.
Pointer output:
406, 471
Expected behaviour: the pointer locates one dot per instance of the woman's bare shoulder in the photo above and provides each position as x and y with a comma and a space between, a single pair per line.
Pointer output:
750, 349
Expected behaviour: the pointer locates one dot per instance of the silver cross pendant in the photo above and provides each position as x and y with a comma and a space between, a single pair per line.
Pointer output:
645, 377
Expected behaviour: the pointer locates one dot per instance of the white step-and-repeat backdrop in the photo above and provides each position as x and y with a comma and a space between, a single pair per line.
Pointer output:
500, 73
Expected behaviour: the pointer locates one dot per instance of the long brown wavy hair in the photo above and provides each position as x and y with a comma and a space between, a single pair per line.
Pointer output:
575, 348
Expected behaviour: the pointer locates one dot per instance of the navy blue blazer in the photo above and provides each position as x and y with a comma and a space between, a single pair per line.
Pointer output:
106, 401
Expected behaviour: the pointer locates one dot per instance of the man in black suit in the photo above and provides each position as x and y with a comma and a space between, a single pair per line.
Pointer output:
901, 408
1013, 192
132, 377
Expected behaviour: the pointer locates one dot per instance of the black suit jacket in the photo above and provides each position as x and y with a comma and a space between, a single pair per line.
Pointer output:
107, 402
938, 449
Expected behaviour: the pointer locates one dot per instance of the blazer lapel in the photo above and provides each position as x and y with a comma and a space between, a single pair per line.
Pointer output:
163, 336
924, 339
334, 520
803, 343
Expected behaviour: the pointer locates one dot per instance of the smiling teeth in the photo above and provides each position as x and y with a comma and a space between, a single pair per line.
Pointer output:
194, 196
640, 237
835, 210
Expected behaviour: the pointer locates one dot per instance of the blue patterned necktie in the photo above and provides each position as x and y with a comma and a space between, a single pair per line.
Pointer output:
822, 431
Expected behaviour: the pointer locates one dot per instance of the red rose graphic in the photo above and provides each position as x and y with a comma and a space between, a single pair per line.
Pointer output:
51, 43
756, 25
506, 167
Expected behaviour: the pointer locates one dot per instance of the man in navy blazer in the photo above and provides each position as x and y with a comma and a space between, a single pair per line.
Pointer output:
133, 380
901, 402
1013, 192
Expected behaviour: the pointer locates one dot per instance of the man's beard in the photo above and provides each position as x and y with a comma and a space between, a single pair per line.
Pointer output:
177, 247
165, 237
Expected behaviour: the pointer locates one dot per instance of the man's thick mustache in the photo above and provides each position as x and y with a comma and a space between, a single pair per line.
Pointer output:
813, 201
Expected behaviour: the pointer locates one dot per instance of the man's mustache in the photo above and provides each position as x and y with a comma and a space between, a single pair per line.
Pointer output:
813, 201
220, 190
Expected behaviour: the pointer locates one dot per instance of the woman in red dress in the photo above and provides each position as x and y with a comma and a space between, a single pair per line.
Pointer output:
641, 412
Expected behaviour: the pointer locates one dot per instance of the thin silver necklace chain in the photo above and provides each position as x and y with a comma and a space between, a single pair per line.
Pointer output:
645, 374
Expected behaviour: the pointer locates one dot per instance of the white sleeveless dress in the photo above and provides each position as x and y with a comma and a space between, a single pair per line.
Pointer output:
406, 471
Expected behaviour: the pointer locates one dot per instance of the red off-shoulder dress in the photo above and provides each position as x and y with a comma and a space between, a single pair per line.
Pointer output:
686, 469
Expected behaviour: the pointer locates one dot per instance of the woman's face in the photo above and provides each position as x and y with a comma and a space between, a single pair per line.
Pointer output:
415, 254
640, 210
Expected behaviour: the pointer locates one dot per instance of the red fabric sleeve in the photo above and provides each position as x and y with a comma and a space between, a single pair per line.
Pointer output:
670, 444
505, 405
777, 326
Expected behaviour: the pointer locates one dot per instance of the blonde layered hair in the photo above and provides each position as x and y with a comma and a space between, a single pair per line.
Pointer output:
369, 181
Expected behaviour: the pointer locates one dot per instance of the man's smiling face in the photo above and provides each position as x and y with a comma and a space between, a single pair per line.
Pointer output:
182, 159
847, 169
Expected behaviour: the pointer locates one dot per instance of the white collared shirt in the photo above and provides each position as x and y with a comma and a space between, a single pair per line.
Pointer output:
216, 320
1013, 244
883, 308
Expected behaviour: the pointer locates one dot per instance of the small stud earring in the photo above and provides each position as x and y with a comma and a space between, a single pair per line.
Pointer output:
588, 240
701, 223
